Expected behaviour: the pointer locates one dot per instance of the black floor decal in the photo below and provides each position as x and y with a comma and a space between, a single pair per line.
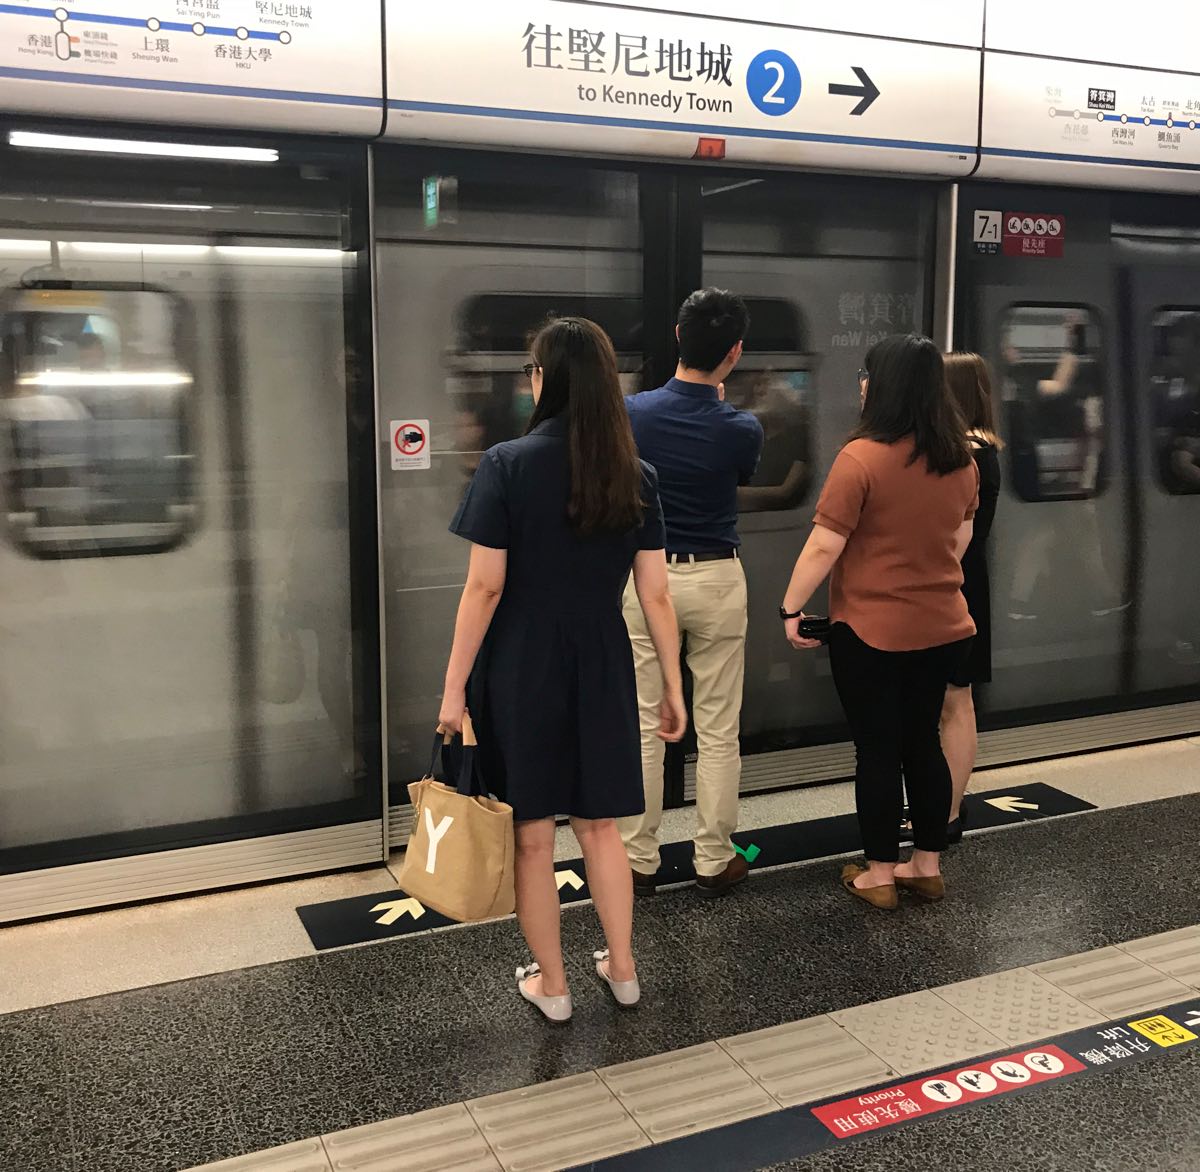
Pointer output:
796, 1132
391, 913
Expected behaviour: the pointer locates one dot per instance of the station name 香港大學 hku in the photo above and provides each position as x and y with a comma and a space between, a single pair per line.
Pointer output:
673, 101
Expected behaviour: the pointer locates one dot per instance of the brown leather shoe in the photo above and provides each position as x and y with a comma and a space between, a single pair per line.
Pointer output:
710, 886
883, 897
927, 887
645, 884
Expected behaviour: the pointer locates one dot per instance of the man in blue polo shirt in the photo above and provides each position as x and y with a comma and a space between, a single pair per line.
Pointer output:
703, 449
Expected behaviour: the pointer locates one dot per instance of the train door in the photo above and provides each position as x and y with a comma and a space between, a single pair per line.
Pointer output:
473, 253
1060, 559
1162, 304
828, 266
186, 662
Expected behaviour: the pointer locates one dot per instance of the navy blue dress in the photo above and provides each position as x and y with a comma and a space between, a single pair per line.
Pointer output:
553, 695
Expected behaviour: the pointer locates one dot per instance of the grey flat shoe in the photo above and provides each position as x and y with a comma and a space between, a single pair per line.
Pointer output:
626, 993
554, 1009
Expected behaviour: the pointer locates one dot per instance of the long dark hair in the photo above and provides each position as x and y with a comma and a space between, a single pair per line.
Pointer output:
907, 396
971, 388
581, 384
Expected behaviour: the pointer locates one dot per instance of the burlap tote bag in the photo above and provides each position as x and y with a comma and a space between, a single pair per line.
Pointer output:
459, 859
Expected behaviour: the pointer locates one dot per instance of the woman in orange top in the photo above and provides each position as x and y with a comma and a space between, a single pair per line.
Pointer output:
892, 523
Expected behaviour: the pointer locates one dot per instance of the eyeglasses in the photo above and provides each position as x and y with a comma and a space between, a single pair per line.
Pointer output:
862, 375
529, 368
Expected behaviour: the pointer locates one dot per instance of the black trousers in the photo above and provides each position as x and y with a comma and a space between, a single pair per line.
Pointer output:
893, 703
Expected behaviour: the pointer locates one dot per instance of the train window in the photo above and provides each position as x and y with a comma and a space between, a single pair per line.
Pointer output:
492, 399
1054, 397
774, 381
1175, 398
95, 408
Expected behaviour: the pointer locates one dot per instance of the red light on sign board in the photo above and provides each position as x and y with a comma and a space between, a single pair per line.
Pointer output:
710, 148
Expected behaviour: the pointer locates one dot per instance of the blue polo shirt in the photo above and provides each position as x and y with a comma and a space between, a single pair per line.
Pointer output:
702, 450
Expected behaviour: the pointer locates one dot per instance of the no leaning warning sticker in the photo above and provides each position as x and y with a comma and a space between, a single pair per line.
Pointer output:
409, 444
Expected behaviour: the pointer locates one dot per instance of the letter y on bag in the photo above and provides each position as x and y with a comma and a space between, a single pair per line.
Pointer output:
436, 834
467, 874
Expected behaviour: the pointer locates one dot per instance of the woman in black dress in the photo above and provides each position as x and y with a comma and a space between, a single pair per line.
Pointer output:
541, 654
971, 387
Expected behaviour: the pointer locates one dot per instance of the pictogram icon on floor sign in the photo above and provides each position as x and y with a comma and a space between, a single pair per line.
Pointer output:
410, 444
1162, 1031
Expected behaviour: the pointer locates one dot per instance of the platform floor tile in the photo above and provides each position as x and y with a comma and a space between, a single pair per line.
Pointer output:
917, 1031
443, 1140
556, 1124
1175, 953
684, 1091
1019, 1006
1113, 982
306, 1156
803, 1061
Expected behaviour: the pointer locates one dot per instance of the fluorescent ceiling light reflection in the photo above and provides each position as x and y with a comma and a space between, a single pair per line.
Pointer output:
105, 378
106, 248
37, 140
140, 205
24, 245
283, 253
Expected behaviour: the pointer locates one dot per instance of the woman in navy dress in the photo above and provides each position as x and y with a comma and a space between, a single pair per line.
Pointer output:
971, 388
541, 655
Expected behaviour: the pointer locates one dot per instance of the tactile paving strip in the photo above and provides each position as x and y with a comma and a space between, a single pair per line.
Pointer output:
684, 1091
1175, 953
442, 1140
917, 1031
1019, 1006
1113, 981
306, 1156
556, 1125
806, 1060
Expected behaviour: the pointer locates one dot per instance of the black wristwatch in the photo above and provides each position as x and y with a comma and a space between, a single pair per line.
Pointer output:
785, 615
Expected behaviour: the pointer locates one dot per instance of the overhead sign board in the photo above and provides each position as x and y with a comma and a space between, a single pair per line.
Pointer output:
314, 66
592, 78
1064, 28
1075, 122
938, 22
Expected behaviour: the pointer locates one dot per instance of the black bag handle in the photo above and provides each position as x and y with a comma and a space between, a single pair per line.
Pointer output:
470, 784
446, 746
441, 748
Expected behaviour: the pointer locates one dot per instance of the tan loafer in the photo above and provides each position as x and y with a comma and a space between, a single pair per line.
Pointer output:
927, 887
883, 897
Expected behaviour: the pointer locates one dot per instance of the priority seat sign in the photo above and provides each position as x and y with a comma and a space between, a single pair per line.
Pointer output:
1033, 235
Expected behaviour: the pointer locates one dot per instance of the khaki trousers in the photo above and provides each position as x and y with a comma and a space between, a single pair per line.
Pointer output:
710, 604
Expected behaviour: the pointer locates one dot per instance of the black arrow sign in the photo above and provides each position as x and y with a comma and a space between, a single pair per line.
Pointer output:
868, 91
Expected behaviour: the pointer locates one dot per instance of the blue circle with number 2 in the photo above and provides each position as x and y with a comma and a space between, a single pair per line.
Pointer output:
773, 82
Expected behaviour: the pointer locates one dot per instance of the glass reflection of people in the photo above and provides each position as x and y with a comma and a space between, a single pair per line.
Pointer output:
970, 386
91, 354
1183, 476
1184, 453
1069, 408
313, 594
782, 472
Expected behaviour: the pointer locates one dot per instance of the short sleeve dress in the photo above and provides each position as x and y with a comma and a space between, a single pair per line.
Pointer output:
553, 694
